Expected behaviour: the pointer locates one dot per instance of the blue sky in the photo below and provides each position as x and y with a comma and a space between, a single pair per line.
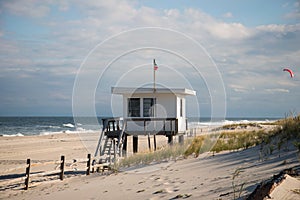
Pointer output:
45, 45
250, 13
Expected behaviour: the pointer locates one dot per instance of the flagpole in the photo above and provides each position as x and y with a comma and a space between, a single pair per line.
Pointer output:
154, 89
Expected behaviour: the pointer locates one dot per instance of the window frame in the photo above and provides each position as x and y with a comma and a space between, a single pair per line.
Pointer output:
133, 111
181, 108
151, 109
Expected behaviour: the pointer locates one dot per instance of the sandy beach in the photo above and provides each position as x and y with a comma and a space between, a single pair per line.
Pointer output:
205, 177
149, 100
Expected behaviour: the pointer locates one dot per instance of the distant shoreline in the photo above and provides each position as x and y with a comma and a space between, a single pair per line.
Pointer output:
34, 125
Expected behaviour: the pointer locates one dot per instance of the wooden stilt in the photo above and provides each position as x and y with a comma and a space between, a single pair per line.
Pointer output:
170, 139
180, 139
135, 143
154, 138
125, 145
149, 142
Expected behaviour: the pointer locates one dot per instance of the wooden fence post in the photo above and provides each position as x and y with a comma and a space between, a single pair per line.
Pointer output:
88, 164
93, 163
27, 174
62, 167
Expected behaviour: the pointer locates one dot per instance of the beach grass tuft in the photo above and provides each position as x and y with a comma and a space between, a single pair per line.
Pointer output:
168, 152
287, 130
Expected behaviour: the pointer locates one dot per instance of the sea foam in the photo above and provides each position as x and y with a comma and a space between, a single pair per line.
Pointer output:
69, 125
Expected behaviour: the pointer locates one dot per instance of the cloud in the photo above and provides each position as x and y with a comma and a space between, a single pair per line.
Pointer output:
250, 59
239, 88
295, 13
60, 96
279, 28
172, 13
277, 90
29, 8
228, 15
220, 30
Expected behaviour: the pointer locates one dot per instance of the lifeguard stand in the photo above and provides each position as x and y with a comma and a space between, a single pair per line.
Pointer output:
146, 111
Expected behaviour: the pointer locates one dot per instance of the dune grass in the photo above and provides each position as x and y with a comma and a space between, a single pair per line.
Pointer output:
227, 141
245, 125
168, 152
287, 130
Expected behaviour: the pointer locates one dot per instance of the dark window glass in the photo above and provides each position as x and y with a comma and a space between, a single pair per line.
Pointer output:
134, 107
181, 108
148, 107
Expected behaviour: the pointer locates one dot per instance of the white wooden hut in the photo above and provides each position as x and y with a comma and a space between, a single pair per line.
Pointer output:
148, 111
161, 104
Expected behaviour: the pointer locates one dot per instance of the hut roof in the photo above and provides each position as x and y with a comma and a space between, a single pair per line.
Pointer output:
131, 90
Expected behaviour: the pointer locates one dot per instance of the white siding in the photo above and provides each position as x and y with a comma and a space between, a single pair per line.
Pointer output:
167, 101
168, 106
181, 119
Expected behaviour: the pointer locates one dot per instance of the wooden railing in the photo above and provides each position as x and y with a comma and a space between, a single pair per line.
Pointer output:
60, 169
158, 126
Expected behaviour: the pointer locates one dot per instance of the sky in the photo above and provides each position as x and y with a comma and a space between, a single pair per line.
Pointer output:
61, 57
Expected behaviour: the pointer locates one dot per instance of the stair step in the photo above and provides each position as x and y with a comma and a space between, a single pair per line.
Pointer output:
106, 144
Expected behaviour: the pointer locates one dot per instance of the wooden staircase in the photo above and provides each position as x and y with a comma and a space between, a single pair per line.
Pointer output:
111, 140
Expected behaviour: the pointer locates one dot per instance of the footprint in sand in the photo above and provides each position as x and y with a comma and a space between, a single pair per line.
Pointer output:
163, 191
182, 196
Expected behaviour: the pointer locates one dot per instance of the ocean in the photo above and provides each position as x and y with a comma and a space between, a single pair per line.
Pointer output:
24, 126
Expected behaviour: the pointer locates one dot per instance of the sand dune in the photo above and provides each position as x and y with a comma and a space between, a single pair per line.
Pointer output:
205, 177
288, 189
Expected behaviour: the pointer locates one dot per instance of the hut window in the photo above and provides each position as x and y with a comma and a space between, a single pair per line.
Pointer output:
134, 107
181, 107
148, 107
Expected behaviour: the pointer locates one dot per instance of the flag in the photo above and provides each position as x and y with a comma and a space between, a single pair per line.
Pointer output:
155, 65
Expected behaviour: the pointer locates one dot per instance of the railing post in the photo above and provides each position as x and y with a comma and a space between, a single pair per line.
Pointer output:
111, 144
88, 164
115, 153
114, 125
62, 167
27, 174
